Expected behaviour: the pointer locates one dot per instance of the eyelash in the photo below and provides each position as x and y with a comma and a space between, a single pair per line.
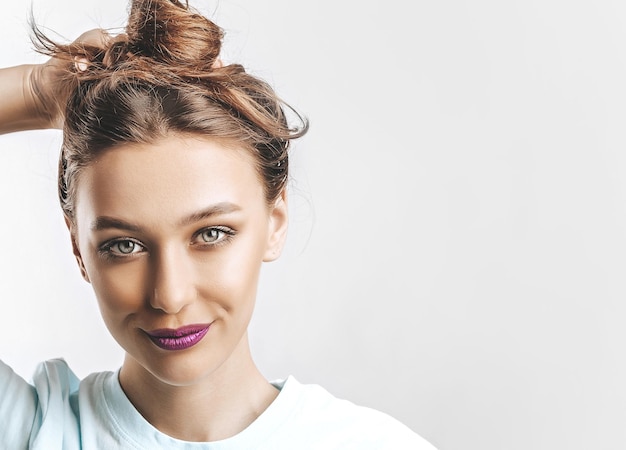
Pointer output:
105, 250
226, 232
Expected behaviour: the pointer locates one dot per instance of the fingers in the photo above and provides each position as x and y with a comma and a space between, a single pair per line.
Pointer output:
97, 38
81, 64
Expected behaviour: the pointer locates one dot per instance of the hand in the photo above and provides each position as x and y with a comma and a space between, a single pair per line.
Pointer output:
48, 85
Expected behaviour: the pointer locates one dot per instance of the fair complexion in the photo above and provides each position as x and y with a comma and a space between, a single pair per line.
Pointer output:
174, 234
20, 108
34, 95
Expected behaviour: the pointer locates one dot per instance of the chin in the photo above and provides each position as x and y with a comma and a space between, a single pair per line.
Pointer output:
174, 369
190, 371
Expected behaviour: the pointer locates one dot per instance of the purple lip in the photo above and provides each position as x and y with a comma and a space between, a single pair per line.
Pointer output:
179, 338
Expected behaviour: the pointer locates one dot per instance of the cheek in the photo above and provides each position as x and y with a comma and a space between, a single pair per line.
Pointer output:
229, 282
119, 289
228, 279
241, 265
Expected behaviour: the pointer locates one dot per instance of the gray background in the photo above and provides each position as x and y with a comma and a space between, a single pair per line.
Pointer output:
457, 243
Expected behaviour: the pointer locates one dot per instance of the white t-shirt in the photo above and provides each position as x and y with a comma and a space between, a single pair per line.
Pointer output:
61, 412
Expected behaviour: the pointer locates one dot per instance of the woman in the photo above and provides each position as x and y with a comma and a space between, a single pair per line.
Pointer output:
172, 182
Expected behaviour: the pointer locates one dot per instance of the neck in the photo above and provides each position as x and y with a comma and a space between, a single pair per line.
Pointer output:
216, 407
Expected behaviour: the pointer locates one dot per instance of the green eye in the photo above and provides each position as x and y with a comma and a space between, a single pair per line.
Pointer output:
211, 235
125, 247
122, 247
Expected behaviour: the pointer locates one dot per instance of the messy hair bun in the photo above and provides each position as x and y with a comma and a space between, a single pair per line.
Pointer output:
163, 76
172, 35
169, 33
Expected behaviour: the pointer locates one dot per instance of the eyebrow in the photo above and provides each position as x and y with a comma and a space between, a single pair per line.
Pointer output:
218, 209
107, 222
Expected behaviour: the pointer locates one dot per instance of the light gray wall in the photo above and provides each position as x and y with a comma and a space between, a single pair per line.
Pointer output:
457, 243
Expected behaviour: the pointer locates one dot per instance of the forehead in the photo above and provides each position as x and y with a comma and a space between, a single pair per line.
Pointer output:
171, 177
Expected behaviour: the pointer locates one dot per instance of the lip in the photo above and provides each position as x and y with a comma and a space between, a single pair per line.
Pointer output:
178, 338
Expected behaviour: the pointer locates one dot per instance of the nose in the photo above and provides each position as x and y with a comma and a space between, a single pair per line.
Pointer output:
172, 281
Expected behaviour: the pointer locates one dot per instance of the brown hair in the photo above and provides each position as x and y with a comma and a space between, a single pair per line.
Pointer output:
161, 77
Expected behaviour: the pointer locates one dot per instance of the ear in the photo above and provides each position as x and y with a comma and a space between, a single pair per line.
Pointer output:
277, 231
75, 249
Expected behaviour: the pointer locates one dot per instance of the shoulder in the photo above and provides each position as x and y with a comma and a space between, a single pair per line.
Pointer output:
42, 414
331, 422
55, 377
73, 413
18, 407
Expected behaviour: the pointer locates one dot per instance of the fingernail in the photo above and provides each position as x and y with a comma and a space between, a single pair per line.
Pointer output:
81, 64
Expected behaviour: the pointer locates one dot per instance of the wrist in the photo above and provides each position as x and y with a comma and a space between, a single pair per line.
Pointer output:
18, 109
37, 105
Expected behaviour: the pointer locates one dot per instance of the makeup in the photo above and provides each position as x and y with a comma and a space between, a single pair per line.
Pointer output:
179, 338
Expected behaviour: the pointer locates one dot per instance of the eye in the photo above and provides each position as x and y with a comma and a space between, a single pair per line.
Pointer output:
122, 247
213, 236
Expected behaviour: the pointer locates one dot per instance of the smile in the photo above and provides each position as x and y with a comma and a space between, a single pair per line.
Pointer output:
179, 338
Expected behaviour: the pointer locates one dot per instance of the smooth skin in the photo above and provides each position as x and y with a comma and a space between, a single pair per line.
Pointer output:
170, 234
20, 108
174, 234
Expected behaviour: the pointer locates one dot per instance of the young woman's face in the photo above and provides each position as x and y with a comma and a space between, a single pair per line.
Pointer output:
172, 237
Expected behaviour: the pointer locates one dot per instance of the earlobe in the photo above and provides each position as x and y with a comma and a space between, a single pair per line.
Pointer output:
76, 250
278, 224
